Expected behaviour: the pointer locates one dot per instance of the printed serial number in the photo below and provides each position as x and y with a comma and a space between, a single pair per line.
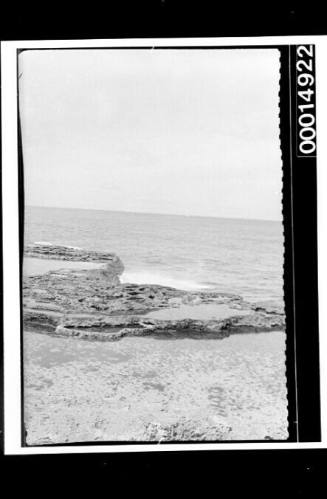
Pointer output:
305, 84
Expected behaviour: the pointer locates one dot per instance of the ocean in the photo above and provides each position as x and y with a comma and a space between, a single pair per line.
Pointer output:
243, 257
144, 388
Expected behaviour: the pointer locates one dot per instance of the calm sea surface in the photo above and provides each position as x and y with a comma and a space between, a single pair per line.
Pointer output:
236, 256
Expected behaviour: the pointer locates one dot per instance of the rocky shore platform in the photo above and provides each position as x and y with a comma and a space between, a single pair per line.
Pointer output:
117, 387
93, 303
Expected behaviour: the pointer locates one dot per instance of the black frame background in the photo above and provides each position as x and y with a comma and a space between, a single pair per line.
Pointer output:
303, 216
268, 472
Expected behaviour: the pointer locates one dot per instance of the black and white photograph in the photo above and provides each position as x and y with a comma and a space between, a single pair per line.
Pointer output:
164, 239
163, 215
153, 291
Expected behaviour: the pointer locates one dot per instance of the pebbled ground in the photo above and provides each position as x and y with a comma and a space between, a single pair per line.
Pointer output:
148, 389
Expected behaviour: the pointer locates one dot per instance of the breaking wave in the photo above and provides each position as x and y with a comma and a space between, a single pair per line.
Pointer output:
163, 280
46, 243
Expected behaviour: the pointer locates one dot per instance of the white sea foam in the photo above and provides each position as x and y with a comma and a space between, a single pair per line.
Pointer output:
161, 279
72, 247
46, 243
192, 253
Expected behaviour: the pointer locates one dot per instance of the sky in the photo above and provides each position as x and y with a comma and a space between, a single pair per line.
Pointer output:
189, 132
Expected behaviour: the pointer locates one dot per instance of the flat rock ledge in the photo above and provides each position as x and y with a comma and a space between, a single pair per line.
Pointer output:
115, 328
93, 304
72, 254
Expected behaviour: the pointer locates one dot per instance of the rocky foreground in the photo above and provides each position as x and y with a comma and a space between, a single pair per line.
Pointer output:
149, 390
145, 390
94, 304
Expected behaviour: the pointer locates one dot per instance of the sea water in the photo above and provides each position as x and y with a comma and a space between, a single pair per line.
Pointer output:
243, 257
237, 383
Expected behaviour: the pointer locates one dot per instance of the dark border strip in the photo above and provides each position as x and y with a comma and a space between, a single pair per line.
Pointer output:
284, 104
2, 383
153, 47
21, 224
304, 220
162, 18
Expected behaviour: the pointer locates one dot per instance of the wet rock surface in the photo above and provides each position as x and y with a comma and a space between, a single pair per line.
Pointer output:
73, 254
145, 390
93, 303
154, 391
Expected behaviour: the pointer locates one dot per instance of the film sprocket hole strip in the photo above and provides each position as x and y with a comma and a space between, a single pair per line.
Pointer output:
166, 261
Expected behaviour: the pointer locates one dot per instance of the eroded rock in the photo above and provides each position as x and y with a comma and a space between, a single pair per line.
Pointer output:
93, 304
186, 430
72, 254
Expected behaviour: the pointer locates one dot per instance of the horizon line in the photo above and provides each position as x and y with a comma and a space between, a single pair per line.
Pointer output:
159, 214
